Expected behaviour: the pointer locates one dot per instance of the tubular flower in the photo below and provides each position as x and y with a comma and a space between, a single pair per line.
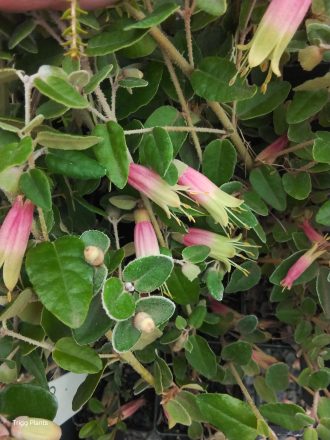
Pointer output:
145, 240
221, 248
154, 187
126, 411
14, 236
206, 193
275, 31
312, 234
301, 265
270, 153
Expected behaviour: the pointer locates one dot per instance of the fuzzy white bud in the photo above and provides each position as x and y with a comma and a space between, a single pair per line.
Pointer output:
94, 255
144, 322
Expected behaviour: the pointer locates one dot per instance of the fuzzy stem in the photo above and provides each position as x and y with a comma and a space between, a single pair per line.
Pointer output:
4, 331
186, 68
188, 10
249, 400
295, 148
183, 103
163, 42
177, 129
134, 363
27, 98
234, 136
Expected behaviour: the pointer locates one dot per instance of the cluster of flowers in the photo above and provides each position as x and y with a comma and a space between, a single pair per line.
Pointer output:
16, 227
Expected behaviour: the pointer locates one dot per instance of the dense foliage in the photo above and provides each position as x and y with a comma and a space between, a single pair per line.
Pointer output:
179, 189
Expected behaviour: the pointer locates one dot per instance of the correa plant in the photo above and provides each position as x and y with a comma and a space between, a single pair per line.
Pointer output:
164, 176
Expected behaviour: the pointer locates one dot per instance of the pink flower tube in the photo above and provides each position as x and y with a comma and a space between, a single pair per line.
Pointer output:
14, 236
275, 31
311, 233
301, 265
269, 154
145, 240
127, 410
206, 193
154, 187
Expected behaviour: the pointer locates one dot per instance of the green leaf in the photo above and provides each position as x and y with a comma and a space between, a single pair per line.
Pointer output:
131, 83
158, 150
159, 308
124, 336
8, 371
219, 161
62, 141
96, 324
96, 238
263, 103
159, 14
230, 415
283, 414
17, 306
197, 317
86, 390
27, 400
322, 288
96, 79
60, 91
34, 365
119, 304
74, 164
208, 84
163, 375
117, 38
323, 214
148, 273
62, 279
182, 290
255, 203
214, 284
126, 105
323, 428
201, 357
112, 152
212, 7
247, 324
166, 116
76, 358
267, 394
319, 380
239, 352
176, 414
196, 254
321, 147
267, 183
22, 31
51, 109
35, 185
305, 104
239, 282
15, 153
277, 376
281, 270
298, 185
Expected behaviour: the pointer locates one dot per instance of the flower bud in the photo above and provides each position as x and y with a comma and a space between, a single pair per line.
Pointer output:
310, 57
94, 255
144, 322
132, 72
29, 428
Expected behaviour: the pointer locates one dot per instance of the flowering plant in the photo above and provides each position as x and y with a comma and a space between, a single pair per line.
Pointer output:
164, 211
